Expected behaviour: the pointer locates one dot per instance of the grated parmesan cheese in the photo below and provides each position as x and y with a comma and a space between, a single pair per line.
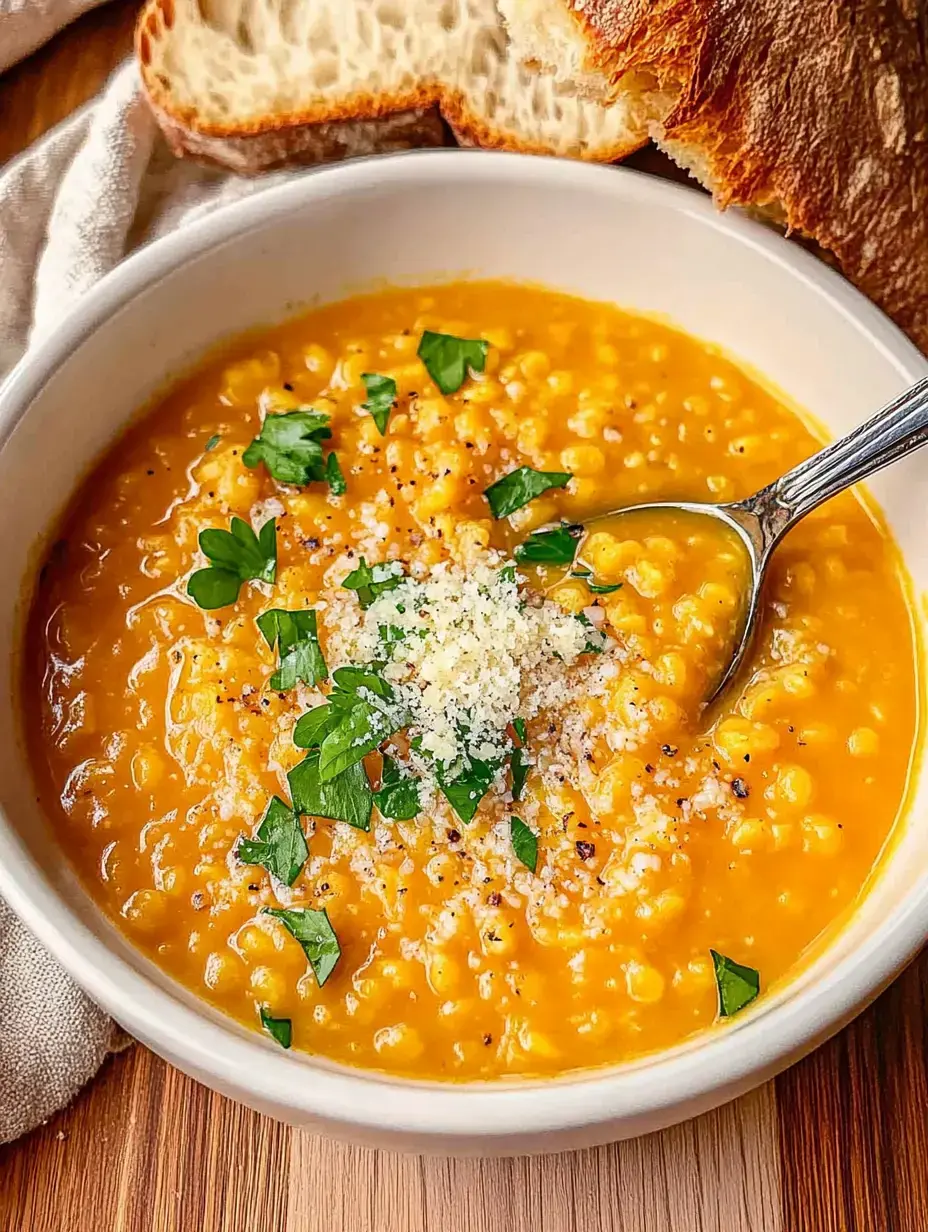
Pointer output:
473, 654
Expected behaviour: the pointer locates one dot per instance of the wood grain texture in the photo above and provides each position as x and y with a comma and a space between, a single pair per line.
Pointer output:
853, 1121
145, 1149
671, 1182
840, 1144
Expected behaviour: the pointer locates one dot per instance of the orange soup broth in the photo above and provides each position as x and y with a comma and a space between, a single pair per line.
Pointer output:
157, 742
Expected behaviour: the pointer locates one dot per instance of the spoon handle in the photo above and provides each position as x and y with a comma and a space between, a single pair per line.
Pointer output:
900, 427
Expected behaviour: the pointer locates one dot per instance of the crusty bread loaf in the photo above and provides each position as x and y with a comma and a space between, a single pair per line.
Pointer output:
255, 83
815, 111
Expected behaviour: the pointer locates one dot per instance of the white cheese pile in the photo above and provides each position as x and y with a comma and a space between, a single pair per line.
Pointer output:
469, 654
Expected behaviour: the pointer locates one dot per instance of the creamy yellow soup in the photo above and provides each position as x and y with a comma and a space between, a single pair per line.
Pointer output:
508, 839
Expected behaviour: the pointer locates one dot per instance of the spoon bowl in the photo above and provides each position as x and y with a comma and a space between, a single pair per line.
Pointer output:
761, 521
748, 528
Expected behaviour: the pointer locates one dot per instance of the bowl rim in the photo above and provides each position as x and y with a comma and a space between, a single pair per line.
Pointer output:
715, 1066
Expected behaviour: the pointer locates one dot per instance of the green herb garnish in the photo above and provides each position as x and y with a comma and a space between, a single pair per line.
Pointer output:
334, 476
359, 715
347, 797
398, 798
550, 547
356, 732
389, 636
280, 844
280, 1029
290, 446
595, 639
348, 680
518, 769
381, 398
313, 726
468, 787
447, 358
521, 486
363, 717
315, 934
237, 555
524, 843
596, 588
212, 443
372, 580
518, 765
737, 986
298, 647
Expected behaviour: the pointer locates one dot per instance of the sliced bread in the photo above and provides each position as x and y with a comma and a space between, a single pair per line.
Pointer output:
256, 83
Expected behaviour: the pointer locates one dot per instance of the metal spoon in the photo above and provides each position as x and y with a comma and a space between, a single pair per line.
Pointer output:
762, 520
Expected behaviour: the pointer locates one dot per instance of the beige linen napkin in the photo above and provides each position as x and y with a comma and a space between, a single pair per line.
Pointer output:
71, 208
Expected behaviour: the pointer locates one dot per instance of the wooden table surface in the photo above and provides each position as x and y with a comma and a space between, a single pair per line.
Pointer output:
839, 1143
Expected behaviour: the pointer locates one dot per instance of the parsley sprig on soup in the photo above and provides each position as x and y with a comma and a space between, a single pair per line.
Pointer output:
349, 723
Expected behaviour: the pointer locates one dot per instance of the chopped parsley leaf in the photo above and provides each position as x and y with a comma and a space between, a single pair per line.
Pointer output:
356, 732
348, 680
212, 443
398, 797
381, 398
236, 555
372, 580
595, 638
280, 844
347, 797
468, 787
447, 358
363, 716
298, 647
334, 476
359, 715
290, 446
595, 588
520, 486
524, 843
518, 762
550, 547
311, 728
279, 1029
518, 769
315, 934
737, 986
389, 635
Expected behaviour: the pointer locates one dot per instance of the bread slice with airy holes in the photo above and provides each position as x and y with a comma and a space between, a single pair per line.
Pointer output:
548, 36
253, 84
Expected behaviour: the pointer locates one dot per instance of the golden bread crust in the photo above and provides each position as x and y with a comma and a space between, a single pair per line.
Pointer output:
362, 123
815, 108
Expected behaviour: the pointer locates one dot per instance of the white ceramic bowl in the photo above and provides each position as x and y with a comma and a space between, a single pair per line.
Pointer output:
605, 234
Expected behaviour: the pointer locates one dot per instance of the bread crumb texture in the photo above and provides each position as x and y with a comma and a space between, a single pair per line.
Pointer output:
233, 68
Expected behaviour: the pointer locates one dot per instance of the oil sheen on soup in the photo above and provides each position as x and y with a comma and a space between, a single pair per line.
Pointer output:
349, 725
